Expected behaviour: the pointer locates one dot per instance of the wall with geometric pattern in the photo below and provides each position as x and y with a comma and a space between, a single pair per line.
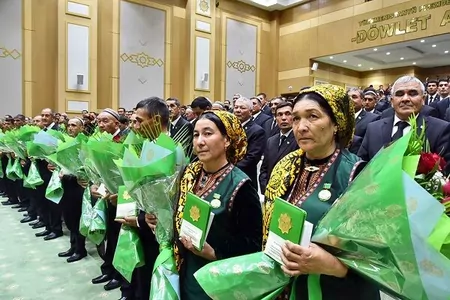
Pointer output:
11, 57
142, 53
241, 58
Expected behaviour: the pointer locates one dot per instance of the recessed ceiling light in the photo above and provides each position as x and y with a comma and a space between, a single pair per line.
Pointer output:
402, 58
414, 63
434, 46
388, 53
344, 61
375, 49
331, 57
371, 68
422, 41
359, 65
446, 51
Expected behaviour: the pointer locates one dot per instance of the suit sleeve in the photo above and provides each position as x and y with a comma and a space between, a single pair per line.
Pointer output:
443, 147
433, 112
363, 151
255, 150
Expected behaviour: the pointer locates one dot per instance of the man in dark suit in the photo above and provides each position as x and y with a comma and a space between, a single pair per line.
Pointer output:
278, 146
265, 108
432, 94
271, 126
259, 117
442, 102
256, 139
48, 211
176, 121
363, 118
408, 94
370, 100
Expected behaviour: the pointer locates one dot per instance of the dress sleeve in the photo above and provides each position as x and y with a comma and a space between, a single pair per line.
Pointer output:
245, 234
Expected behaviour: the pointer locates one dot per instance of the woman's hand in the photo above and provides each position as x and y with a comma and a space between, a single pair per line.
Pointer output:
207, 252
94, 192
61, 174
22, 163
130, 221
151, 221
51, 167
298, 260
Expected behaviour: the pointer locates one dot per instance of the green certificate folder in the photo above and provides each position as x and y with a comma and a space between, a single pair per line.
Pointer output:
287, 224
126, 206
197, 219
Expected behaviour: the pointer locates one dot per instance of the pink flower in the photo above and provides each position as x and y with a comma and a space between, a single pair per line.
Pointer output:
446, 189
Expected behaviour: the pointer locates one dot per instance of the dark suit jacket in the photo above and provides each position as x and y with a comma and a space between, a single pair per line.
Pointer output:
425, 111
382, 105
362, 120
271, 131
266, 109
441, 107
379, 133
256, 138
261, 119
187, 144
272, 155
428, 100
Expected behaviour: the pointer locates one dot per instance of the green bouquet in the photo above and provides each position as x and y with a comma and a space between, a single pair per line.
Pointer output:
44, 143
67, 155
14, 169
33, 179
54, 190
13, 142
390, 229
93, 218
102, 152
129, 253
152, 179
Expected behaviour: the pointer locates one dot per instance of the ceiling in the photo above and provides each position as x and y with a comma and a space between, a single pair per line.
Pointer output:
272, 5
425, 53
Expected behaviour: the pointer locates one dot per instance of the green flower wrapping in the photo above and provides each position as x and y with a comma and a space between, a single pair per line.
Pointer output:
54, 191
14, 144
44, 143
389, 229
67, 155
33, 179
14, 169
93, 218
152, 179
252, 276
129, 252
102, 154
87, 170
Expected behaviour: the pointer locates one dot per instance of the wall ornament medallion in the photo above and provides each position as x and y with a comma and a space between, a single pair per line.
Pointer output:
142, 59
241, 66
5, 53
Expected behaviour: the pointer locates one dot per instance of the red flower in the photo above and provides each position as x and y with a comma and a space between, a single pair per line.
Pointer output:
116, 138
430, 162
446, 188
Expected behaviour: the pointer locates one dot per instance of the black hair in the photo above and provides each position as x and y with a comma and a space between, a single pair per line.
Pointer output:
320, 100
262, 94
216, 120
283, 104
201, 102
432, 81
155, 106
257, 99
121, 108
443, 80
177, 102
20, 117
124, 120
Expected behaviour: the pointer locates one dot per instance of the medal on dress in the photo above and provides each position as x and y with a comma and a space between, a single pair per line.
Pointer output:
216, 203
325, 194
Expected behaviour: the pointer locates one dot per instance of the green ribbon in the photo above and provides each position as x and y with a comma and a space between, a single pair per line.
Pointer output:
165, 253
314, 290
160, 282
440, 236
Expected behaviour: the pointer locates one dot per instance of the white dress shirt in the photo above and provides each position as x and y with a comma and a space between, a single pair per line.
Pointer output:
395, 126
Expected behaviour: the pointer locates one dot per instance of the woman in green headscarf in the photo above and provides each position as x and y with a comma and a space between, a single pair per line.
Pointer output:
219, 142
312, 178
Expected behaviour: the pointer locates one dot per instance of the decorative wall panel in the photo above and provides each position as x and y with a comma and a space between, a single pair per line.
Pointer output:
241, 58
78, 79
77, 106
78, 9
142, 53
11, 57
203, 7
202, 59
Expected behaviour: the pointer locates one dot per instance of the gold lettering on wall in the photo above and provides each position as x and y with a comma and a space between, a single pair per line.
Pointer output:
446, 18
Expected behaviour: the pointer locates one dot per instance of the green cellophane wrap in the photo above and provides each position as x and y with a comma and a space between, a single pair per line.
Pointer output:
13, 142
17, 169
135, 141
102, 154
44, 144
67, 155
3, 144
389, 229
9, 170
129, 253
152, 179
252, 276
33, 179
93, 218
54, 191
87, 171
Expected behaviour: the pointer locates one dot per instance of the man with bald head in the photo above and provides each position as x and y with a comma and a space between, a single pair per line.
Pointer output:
48, 211
71, 204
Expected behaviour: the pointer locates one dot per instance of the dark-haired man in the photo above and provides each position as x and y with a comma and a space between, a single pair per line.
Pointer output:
432, 94
176, 121
121, 111
280, 145
259, 117
443, 102
264, 107
200, 105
